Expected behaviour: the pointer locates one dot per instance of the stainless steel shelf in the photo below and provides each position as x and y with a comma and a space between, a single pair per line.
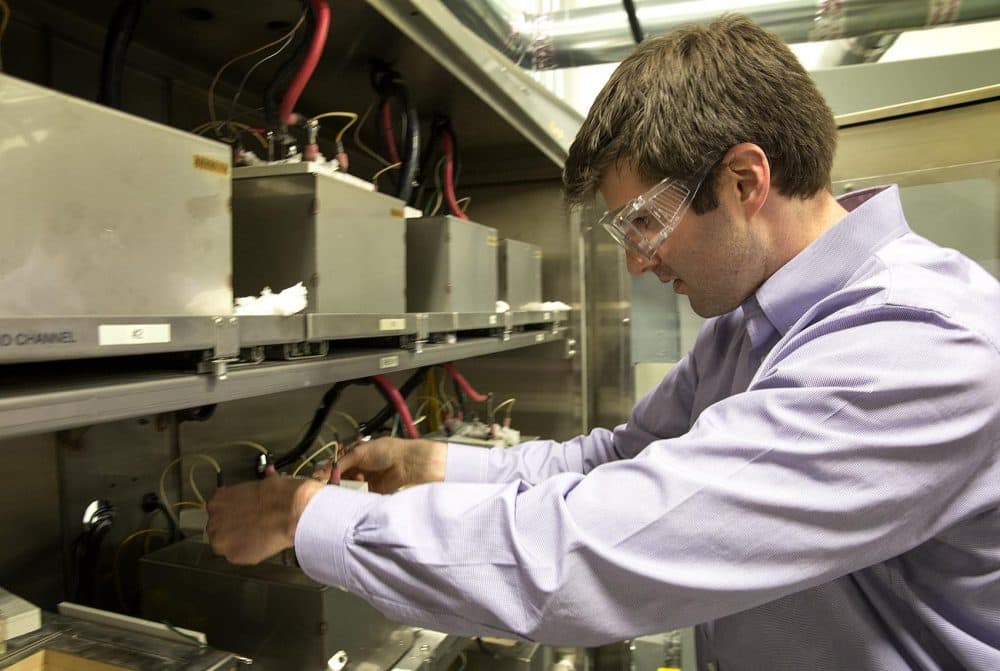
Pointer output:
39, 403
59, 338
527, 317
34, 339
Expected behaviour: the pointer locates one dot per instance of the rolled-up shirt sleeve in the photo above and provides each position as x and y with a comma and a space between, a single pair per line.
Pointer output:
536, 460
839, 455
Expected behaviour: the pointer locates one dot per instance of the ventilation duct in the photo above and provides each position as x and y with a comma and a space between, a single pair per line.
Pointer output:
601, 34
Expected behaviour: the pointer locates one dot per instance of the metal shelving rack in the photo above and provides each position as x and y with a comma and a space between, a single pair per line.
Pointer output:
32, 401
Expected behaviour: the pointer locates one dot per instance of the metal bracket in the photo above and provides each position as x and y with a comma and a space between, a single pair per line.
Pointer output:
423, 332
226, 349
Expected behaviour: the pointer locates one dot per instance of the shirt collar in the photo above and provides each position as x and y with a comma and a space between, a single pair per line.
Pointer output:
874, 217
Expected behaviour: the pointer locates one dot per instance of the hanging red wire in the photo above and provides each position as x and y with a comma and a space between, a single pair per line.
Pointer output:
463, 383
321, 15
449, 176
388, 134
397, 400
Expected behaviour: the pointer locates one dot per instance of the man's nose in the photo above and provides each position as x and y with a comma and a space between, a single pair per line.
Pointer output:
637, 265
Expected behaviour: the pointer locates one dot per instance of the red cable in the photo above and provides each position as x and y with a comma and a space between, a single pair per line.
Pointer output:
321, 14
449, 178
397, 400
387, 133
463, 383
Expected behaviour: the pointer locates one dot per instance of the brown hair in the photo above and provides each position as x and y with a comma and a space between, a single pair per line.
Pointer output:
681, 100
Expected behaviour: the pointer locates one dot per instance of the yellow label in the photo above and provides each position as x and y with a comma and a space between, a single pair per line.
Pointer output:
538, 253
210, 164
491, 240
397, 212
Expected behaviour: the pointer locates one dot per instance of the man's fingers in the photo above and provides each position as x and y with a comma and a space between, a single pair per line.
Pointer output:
353, 458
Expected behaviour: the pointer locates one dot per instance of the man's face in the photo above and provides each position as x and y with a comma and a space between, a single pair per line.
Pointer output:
717, 259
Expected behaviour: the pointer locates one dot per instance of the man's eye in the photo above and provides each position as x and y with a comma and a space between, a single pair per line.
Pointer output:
644, 223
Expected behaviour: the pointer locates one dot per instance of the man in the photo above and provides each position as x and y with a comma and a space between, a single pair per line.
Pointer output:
816, 483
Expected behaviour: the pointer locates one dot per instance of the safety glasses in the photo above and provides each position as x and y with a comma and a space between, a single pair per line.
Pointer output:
643, 223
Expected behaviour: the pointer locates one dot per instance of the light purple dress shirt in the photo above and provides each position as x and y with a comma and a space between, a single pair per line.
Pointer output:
817, 483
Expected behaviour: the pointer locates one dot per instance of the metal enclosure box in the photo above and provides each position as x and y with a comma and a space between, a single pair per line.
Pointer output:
296, 223
270, 612
451, 265
106, 213
520, 273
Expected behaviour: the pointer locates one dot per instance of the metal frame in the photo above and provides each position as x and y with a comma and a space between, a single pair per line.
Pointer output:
36, 404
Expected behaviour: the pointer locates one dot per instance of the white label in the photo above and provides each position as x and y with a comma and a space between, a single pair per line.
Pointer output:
388, 362
540, 337
132, 334
547, 316
391, 324
493, 319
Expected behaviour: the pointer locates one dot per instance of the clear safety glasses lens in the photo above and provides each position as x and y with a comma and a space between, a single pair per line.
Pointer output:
642, 224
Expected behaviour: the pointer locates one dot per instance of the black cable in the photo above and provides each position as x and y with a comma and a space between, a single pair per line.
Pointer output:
94, 530
175, 532
388, 84
459, 395
489, 651
319, 417
383, 415
424, 177
633, 21
116, 43
439, 125
201, 413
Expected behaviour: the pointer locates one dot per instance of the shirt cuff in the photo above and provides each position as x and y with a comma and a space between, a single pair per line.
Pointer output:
322, 533
466, 463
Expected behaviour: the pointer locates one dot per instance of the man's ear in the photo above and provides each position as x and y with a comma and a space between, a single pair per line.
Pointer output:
751, 172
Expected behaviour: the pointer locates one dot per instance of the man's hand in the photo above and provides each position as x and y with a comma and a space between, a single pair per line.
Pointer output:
255, 520
389, 464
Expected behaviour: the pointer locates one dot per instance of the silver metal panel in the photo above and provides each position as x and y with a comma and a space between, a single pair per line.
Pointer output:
33, 405
325, 231
451, 265
520, 273
115, 646
53, 338
862, 88
335, 327
130, 218
270, 612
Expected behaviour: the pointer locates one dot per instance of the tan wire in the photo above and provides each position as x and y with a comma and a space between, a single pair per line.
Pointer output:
357, 137
118, 553
215, 79
384, 170
333, 447
350, 116
6, 17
